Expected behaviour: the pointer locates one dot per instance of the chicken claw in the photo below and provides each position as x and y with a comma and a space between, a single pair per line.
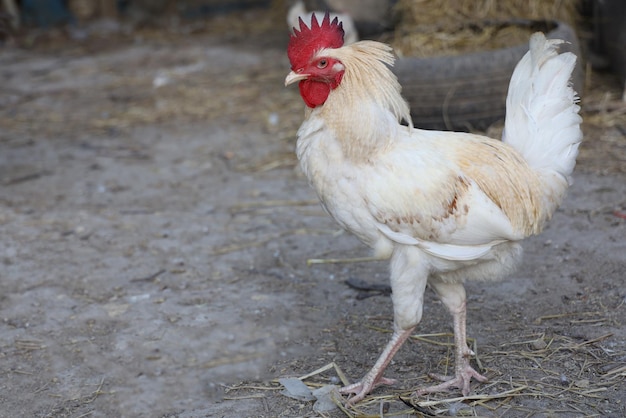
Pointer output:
374, 377
460, 381
365, 386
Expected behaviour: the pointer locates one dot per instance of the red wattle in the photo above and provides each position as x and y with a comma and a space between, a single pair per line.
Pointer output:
314, 93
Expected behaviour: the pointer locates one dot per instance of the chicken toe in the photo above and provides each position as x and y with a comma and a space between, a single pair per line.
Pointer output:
375, 377
365, 386
460, 381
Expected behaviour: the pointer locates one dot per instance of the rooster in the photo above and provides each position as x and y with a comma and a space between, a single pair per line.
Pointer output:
445, 207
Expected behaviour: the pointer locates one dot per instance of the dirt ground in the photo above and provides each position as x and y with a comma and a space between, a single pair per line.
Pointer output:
156, 229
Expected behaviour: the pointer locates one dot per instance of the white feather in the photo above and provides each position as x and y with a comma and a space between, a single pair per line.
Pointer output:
542, 120
449, 252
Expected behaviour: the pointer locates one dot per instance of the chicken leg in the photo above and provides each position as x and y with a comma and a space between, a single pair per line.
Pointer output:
408, 282
375, 377
453, 297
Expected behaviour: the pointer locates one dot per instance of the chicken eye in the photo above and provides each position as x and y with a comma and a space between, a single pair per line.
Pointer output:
322, 63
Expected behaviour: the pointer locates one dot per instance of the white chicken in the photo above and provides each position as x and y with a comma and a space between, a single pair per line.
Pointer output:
445, 207
298, 10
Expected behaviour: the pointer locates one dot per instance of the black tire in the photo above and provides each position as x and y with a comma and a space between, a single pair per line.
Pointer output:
468, 92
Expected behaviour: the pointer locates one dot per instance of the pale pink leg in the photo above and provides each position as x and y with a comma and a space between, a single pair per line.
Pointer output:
453, 296
375, 377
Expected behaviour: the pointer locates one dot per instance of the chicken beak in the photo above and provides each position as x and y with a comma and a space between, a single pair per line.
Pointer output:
292, 77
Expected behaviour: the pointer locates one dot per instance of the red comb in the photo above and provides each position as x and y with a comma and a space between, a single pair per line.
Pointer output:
306, 41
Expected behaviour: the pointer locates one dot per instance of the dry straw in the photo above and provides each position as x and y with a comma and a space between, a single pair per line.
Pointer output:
451, 27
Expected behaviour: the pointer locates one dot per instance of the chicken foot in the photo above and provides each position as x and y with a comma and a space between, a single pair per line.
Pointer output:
374, 377
453, 296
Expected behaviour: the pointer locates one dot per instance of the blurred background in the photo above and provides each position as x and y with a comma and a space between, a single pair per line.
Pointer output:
467, 44
156, 228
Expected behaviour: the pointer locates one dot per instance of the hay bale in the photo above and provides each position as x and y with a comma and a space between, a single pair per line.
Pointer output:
454, 27
452, 13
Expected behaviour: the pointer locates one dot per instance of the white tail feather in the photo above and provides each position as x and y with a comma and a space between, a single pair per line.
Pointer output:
542, 120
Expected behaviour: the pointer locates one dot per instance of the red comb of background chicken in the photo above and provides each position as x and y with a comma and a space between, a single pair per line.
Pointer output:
306, 41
